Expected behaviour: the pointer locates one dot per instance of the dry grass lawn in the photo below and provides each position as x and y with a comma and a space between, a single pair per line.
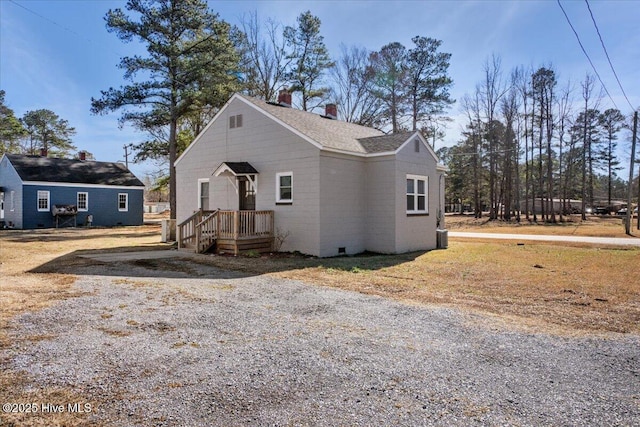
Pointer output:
565, 289
21, 291
594, 226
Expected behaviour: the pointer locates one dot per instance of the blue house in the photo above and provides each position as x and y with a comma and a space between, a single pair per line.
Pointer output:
42, 192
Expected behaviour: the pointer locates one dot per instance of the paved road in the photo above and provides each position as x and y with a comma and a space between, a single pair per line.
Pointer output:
596, 241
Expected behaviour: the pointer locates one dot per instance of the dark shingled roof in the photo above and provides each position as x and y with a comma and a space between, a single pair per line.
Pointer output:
240, 168
35, 168
384, 143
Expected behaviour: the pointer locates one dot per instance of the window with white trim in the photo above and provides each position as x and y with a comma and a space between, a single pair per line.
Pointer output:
123, 202
284, 187
82, 201
203, 194
13, 201
417, 194
43, 201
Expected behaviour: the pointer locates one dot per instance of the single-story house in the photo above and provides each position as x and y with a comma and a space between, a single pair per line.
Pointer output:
43, 192
313, 183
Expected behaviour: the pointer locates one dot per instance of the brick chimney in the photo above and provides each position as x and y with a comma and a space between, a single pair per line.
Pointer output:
284, 98
44, 152
82, 155
331, 111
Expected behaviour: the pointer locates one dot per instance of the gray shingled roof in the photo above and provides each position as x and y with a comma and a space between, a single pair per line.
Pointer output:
35, 168
329, 133
380, 144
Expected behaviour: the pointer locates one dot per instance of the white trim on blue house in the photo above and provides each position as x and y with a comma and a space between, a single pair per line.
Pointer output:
43, 195
83, 205
81, 185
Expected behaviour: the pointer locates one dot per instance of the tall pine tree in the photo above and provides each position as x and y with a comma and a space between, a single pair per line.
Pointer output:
191, 63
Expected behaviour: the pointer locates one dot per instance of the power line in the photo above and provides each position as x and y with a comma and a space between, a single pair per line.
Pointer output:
51, 21
586, 54
607, 54
177, 80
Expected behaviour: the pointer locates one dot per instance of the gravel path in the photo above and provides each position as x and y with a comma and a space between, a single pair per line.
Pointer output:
217, 348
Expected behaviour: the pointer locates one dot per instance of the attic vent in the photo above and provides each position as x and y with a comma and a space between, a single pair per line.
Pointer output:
235, 121
416, 144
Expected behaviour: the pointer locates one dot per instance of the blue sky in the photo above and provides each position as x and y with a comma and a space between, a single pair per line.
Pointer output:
58, 53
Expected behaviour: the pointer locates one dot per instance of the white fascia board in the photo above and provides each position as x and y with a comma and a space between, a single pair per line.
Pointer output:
196, 140
82, 185
381, 154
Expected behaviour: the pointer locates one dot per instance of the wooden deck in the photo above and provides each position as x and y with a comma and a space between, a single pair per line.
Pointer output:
227, 231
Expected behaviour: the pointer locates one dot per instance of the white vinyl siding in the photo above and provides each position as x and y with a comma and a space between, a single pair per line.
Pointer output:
83, 201
43, 201
123, 202
417, 197
284, 187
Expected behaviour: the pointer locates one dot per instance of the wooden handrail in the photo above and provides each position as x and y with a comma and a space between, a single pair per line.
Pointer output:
203, 228
187, 229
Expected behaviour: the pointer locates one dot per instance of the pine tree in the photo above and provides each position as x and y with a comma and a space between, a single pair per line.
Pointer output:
192, 63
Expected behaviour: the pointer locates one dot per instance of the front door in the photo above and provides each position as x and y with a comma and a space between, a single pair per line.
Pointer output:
247, 203
247, 194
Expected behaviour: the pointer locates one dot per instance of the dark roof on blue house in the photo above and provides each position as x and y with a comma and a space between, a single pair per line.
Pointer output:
45, 169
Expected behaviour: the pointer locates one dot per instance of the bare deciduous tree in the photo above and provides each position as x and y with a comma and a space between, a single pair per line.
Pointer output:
265, 57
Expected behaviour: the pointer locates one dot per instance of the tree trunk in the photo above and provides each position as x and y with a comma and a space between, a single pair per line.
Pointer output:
172, 171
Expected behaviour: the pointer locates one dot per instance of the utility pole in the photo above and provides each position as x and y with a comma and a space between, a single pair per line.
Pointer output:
627, 223
126, 154
638, 199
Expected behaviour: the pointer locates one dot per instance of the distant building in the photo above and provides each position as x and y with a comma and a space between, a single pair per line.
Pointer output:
42, 192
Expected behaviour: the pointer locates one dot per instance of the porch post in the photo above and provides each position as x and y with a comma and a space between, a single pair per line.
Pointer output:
236, 224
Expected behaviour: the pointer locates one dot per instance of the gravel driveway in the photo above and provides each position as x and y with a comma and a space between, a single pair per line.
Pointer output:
206, 347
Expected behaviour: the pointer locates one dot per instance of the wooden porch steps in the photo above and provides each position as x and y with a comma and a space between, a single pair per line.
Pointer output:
227, 231
260, 244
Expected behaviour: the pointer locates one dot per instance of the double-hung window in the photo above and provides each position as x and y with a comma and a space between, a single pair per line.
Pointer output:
83, 201
284, 187
417, 194
43, 201
123, 202
203, 194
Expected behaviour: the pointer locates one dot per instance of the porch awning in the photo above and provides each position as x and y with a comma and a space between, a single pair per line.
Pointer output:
235, 169
238, 170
